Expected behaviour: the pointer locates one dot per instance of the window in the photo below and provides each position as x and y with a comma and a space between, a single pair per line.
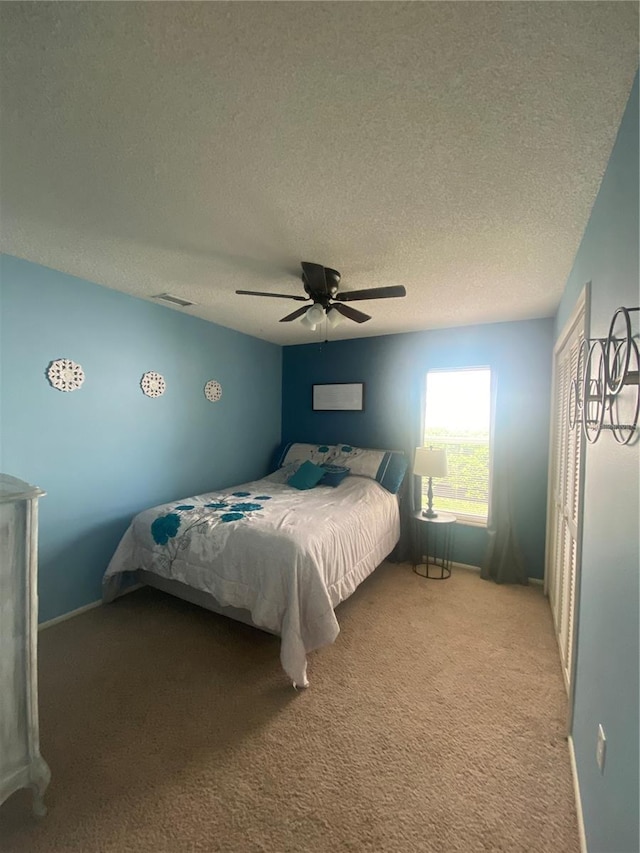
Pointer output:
457, 417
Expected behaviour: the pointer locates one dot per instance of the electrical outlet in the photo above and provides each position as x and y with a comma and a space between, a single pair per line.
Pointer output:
601, 748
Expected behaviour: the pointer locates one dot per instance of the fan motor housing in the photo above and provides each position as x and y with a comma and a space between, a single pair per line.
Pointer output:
333, 280
332, 277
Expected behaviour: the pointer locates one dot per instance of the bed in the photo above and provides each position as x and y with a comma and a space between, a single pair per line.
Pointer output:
270, 554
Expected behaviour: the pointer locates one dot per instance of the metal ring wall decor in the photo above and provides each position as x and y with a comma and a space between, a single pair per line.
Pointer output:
617, 368
605, 367
624, 432
594, 391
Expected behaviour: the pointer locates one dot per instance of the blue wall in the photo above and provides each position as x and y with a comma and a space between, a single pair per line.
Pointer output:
393, 366
606, 686
106, 451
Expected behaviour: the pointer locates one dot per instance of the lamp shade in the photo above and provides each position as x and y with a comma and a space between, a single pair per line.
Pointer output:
430, 463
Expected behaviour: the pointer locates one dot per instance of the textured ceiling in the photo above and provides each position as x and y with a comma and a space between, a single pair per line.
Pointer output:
196, 148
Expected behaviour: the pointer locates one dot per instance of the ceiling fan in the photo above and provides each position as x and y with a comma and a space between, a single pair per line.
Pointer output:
322, 284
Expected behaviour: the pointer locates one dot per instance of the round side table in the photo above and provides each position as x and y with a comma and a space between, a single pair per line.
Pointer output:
434, 560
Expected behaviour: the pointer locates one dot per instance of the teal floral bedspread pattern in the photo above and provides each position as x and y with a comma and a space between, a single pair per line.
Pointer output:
173, 529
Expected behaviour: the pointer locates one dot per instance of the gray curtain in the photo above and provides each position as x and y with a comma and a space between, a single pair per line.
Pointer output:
410, 492
503, 561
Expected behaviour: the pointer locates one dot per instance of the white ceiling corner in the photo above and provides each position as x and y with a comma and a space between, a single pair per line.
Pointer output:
199, 148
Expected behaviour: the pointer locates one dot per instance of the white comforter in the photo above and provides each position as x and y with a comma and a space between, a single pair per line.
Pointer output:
287, 556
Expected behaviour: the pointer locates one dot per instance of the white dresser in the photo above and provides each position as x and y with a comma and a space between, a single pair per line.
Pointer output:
21, 764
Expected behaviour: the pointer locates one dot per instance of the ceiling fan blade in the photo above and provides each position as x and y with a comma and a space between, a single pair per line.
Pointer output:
372, 293
294, 314
316, 278
351, 313
274, 295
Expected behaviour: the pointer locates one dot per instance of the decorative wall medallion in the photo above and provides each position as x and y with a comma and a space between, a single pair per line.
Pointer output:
213, 390
65, 375
153, 384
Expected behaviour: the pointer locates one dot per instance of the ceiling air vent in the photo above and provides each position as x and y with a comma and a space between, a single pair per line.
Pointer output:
173, 300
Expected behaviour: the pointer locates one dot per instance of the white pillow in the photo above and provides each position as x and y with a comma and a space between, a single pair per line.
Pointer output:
360, 460
316, 453
282, 474
388, 467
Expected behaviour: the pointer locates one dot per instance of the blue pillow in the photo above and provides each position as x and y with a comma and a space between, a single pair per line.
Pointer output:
391, 472
334, 475
307, 476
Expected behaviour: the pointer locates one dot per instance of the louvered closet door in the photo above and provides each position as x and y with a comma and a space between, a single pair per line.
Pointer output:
563, 550
559, 465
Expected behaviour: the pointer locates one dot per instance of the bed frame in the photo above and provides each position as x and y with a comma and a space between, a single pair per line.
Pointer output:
197, 596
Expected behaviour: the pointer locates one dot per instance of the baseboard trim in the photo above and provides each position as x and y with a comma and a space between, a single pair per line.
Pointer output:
576, 789
57, 619
79, 610
465, 567
537, 581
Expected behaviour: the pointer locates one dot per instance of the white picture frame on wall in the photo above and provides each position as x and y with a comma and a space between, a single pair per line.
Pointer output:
338, 397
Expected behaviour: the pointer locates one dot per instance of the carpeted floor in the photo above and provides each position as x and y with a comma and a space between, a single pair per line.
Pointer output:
435, 722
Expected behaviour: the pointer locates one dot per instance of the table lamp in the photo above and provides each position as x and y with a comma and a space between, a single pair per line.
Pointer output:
430, 463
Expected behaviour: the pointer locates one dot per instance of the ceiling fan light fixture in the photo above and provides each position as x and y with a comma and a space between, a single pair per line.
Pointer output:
314, 315
334, 317
307, 322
